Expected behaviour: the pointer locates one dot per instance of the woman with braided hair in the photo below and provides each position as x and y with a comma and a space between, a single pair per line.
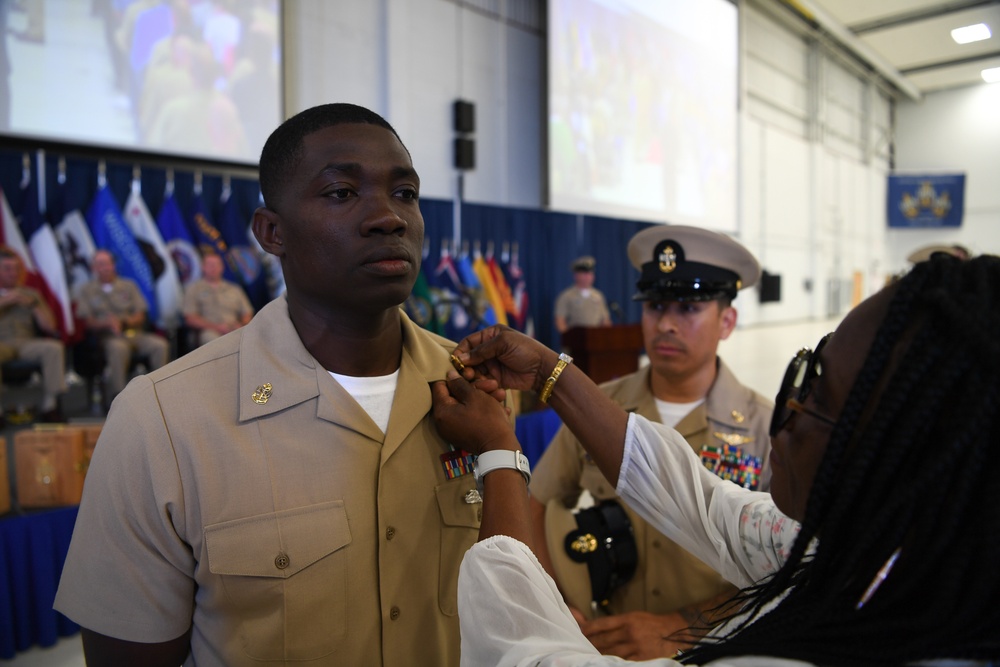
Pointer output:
879, 542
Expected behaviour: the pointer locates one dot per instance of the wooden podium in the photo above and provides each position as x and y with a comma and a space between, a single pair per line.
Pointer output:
605, 353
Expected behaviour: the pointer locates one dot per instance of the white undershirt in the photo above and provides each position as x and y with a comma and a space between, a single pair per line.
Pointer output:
672, 413
374, 394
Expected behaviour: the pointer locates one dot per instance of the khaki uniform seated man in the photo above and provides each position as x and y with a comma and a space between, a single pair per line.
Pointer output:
214, 306
581, 304
24, 313
689, 277
114, 309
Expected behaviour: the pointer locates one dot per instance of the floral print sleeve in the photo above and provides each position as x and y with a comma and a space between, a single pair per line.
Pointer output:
766, 536
739, 533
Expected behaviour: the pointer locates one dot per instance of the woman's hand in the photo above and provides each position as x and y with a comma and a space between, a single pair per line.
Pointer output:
470, 418
514, 360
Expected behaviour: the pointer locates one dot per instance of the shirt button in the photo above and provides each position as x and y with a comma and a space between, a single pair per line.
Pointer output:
394, 613
656, 544
281, 561
479, 515
656, 592
390, 533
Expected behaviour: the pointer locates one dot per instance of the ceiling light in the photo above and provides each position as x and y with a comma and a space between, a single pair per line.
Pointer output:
971, 33
991, 75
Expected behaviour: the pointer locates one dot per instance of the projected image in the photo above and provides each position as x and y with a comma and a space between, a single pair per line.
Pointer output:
189, 77
642, 109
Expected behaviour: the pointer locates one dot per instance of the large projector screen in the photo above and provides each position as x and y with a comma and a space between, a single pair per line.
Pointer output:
195, 78
643, 110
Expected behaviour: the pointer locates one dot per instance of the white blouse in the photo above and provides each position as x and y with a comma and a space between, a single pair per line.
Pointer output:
511, 612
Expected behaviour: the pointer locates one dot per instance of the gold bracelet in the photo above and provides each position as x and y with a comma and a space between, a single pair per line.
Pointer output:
564, 361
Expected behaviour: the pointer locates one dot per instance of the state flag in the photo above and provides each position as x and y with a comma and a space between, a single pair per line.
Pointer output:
48, 261
452, 302
521, 316
75, 241
242, 261
168, 290
207, 237
490, 290
419, 306
503, 289
482, 309
170, 222
12, 239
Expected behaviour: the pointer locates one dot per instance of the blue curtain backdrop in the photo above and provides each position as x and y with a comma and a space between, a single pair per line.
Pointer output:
546, 242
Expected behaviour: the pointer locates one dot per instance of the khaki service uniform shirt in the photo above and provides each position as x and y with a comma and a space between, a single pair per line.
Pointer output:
581, 309
219, 303
667, 577
242, 490
18, 322
123, 299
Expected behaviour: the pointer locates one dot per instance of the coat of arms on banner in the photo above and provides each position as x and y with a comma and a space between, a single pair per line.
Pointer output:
926, 201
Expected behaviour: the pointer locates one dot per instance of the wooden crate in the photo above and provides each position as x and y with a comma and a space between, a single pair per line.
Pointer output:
91, 432
4, 478
50, 464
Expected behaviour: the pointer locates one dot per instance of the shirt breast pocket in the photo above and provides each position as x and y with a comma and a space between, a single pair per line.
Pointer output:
461, 513
285, 579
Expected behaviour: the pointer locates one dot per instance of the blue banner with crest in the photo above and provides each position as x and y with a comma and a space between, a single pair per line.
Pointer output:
926, 201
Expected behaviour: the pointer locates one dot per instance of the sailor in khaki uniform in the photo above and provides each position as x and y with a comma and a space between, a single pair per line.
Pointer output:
214, 306
280, 496
23, 314
113, 309
287, 526
689, 277
581, 304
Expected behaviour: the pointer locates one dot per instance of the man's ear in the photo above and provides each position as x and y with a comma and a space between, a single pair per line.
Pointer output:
267, 227
728, 317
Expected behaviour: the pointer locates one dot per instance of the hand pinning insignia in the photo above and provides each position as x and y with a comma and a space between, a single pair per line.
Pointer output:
262, 394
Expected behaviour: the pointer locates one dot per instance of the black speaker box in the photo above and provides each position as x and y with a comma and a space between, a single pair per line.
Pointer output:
770, 287
465, 153
465, 117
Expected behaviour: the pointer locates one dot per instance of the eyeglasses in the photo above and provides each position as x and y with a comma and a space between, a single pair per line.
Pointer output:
802, 370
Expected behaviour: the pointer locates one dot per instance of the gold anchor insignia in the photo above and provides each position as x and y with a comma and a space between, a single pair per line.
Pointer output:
262, 394
584, 544
738, 417
472, 496
734, 439
668, 259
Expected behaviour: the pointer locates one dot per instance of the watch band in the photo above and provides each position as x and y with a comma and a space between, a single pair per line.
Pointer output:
496, 459
546, 393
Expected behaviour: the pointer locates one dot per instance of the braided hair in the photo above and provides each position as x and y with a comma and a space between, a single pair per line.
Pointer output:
913, 465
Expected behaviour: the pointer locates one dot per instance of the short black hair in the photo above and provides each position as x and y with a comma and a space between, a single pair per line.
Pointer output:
284, 147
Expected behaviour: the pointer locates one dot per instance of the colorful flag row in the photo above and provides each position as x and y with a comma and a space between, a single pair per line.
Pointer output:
466, 293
